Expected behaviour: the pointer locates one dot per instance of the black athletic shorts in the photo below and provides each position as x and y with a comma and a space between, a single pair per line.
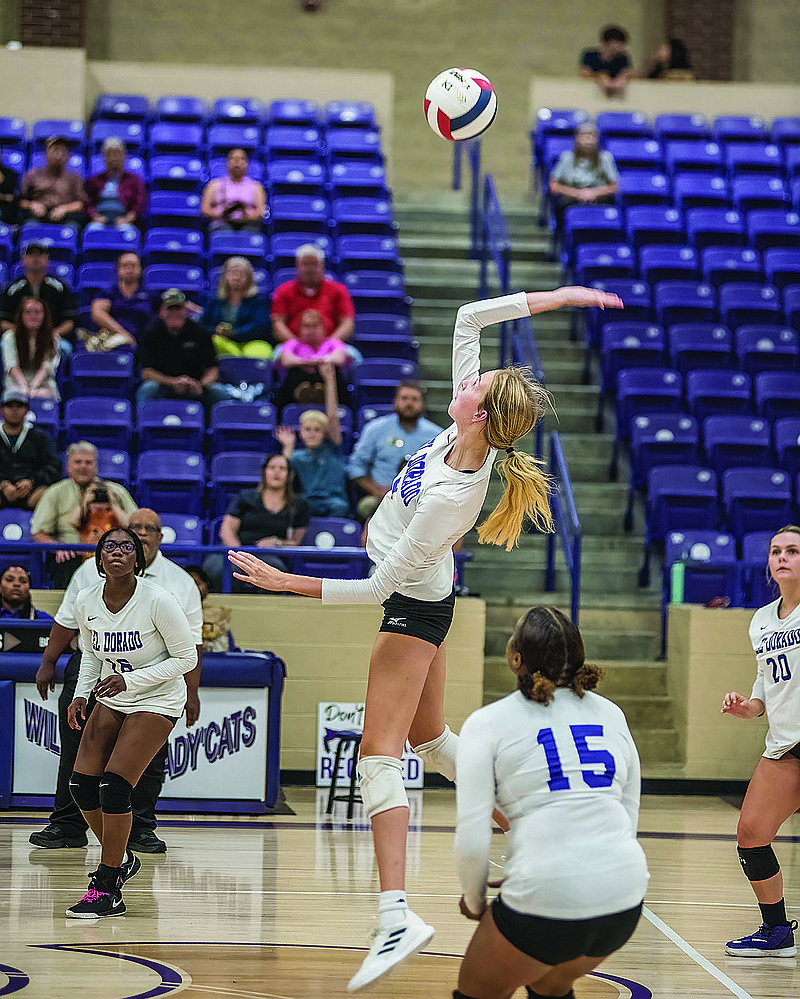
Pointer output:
794, 751
424, 619
553, 941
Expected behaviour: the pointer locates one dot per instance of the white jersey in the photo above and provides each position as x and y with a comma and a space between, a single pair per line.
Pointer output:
566, 776
430, 505
776, 644
161, 570
148, 642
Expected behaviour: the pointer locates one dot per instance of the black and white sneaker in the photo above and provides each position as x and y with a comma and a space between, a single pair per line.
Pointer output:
132, 865
99, 900
389, 947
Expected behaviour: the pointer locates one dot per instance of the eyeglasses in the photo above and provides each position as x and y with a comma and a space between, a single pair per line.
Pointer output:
124, 546
147, 528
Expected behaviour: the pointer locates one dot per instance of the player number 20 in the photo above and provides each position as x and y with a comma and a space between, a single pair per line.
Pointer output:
592, 778
780, 668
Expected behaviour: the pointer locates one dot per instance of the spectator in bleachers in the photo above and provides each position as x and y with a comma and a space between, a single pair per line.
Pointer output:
237, 317
124, 312
670, 61
28, 459
301, 358
53, 517
217, 634
52, 193
387, 442
270, 516
31, 351
609, 66
37, 283
115, 197
9, 193
235, 201
177, 357
15, 596
584, 175
320, 465
311, 290
97, 512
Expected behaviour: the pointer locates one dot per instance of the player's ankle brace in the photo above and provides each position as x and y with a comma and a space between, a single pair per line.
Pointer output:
381, 782
85, 791
440, 753
759, 863
115, 794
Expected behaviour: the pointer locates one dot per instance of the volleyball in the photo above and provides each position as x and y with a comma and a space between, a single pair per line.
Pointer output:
460, 104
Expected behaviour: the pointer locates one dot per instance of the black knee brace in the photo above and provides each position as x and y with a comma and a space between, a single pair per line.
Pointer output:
759, 863
115, 794
85, 791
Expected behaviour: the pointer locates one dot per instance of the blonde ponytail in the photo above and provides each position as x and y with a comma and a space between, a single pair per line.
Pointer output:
514, 404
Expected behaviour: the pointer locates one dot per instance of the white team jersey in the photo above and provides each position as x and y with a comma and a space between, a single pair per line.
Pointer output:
148, 642
430, 505
776, 644
161, 571
566, 776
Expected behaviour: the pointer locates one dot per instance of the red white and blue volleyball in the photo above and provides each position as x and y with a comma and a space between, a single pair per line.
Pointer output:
460, 104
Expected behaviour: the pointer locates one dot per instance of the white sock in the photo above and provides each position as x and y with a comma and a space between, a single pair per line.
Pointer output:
392, 908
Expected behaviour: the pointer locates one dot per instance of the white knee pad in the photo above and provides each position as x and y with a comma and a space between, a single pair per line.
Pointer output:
381, 781
440, 753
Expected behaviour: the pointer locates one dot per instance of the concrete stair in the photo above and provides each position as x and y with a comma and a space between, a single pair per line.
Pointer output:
620, 622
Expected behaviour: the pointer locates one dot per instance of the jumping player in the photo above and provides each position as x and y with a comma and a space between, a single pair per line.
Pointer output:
560, 764
774, 790
434, 500
137, 644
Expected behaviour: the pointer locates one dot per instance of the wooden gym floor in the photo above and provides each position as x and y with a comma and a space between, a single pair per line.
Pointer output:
280, 907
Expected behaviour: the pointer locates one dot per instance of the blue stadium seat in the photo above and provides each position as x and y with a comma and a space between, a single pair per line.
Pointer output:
297, 176
648, 224
379, 345
367, 413
377, 291
189, 279
76, 163
591, 224
132, 107
179, 529
114, 465
753, 158
699, 345
700, 190
722, 264
232, 471
289, 112
220, 139
376, 325
173, 246
299, 213
245, 371
132, 134
57, 269
192, 110
177, 173
668, 263
635, 153
373, 252
60, 240
741, 303
715, 227
733, 441
354, 143
171, 481
660, 439
13, 134
628, 344
170, 424
777, 394
754, 496
767, 348
224, 244
333, 532
102, 374
173, 209
601, 261
643, 187
376, 379
292, 140
108, 244
739, 128
73, 131
782, 266
758, 588
791, 161
47, 417
239, 110
15, 529
242, 426
710, 566
681, 126
14, 159
680, 498
646, 390
791, 305
169, 138
363, 215
349, 114
623, 123
636, 297
104, 421
785, 131
697, 158
683, 302
786, 432
354, 178
284, 245
712, 392
773, 227
291, 413
754, 191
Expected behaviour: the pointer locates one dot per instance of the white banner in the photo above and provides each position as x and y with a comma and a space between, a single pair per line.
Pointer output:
335, 719
224, 754
37, 746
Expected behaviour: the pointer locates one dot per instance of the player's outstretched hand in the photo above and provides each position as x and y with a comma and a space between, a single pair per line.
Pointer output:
736, 705
588, 298
110, 686
252, 570
76, 712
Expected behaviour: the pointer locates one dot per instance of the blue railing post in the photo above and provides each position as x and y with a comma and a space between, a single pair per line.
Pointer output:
457, 157
566, 527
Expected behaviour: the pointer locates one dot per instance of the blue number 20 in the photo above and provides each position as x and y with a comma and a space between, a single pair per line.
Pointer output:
580, 733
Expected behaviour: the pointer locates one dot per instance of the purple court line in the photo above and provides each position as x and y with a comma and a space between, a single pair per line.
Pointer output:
35, 820
17, 980
170, 978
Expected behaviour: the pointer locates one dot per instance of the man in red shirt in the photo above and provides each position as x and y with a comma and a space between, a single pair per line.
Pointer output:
311, 290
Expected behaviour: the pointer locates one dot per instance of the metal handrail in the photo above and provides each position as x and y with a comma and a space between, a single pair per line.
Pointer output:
472, 149
567, 527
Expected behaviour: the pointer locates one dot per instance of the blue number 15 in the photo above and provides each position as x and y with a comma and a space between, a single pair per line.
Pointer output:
580, 733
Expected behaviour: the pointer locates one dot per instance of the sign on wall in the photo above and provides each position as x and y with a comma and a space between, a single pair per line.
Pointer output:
37, 745
337, 718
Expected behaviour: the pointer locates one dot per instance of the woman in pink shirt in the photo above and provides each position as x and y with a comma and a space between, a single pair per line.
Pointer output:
300, 359
234, 201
